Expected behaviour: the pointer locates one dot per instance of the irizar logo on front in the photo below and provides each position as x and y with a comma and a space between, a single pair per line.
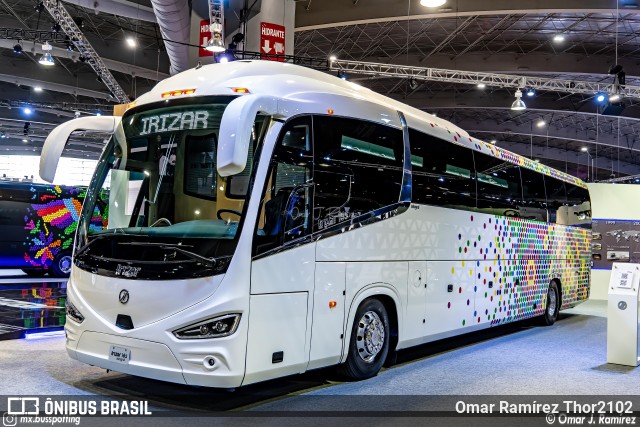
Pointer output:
174, 122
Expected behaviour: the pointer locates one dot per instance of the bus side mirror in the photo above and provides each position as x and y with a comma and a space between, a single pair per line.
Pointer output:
235, 130
58, 138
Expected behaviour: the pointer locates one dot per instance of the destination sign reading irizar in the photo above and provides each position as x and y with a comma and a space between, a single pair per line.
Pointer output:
174, 119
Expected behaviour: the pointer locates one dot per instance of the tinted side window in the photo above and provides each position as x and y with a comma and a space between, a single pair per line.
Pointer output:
556, 198
358, 168
443, 172
285, 213
578, 206
499, 186
534, 205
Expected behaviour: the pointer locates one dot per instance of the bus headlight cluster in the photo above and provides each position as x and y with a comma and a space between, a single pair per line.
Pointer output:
73, 312
217, 327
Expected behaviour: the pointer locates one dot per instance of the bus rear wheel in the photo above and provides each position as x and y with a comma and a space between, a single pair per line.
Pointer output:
61, 266
553, 305
369, 342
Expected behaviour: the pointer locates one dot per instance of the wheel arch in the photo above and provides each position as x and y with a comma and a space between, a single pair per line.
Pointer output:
388, 295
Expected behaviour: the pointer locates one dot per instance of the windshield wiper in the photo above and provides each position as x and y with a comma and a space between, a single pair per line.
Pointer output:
81, 250
210, 262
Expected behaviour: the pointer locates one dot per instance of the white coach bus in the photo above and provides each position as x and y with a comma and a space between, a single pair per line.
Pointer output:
267, 219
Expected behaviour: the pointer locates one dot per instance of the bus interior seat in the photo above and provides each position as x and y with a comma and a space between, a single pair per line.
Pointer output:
275, 211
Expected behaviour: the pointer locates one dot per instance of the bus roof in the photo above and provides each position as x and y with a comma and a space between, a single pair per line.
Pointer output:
289, 81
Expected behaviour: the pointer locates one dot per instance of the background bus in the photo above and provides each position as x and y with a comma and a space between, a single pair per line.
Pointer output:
37, 226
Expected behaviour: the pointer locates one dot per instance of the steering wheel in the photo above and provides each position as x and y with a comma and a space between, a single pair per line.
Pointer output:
231, 211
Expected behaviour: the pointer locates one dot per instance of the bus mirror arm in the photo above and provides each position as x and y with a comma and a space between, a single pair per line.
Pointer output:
236, 126
59, 136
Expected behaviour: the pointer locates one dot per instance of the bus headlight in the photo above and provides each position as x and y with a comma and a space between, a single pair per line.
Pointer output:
73, 312
217, 327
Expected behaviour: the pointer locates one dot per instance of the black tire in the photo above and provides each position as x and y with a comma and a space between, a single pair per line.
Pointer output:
61, 266
34, 272
364, 361
552, 308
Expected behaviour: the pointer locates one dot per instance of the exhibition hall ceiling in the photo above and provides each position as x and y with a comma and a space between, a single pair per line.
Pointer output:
490, 36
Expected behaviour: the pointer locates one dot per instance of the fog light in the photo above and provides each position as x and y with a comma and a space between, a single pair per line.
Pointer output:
212, 328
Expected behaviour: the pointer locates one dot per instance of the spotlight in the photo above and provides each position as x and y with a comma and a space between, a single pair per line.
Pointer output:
601, 97
493, 141
25, 140
27, 110
3, 135
558, 38
584, 149
223, 58
481, 85
131, 42
46, 58
17, 48
216, 44
541, 123
413, 84
615, 97
79, 22
82, 58
333, 58
70, 46
432, 3
37, 89
26, 128
518, 104
342, 75
235, 40
56, 28
98, 114
531, 92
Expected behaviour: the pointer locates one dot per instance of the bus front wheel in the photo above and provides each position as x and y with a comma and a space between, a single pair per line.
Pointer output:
553, 305
369, 342
61, 266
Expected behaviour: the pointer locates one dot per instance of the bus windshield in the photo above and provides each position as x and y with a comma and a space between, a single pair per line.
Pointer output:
170, 215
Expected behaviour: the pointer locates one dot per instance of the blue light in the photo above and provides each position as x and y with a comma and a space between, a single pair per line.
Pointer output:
600, 97
27, 110
531, 92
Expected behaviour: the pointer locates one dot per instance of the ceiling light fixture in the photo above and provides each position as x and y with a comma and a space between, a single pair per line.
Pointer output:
558, 38
481, 85
615, 97
27, 110
531, 92
17, 48
518, 104
541, 123
37, 89
131, 42
601, 97
333, 58
584, 149
413, 84
216, 16
46, 58
432, 3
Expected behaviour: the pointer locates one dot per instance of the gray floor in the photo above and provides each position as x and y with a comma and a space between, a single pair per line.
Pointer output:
568, 358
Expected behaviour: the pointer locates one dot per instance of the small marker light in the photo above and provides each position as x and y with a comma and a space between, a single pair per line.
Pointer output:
240, 89
332, 304
330, 111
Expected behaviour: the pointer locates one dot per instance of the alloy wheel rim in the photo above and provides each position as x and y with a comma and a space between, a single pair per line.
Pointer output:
370, 336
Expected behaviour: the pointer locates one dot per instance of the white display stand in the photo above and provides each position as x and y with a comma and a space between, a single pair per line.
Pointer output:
622, 314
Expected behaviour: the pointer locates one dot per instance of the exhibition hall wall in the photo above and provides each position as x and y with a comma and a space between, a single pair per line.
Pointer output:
616, 228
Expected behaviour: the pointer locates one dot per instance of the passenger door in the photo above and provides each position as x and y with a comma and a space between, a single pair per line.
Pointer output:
283, 267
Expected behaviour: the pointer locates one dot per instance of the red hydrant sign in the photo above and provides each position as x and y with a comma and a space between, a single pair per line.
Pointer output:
271, 41
205, 35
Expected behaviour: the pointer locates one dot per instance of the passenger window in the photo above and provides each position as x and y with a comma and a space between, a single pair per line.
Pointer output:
443, 173
499, 186
578, 206
535, 202
358, 169
285, 213
556, 200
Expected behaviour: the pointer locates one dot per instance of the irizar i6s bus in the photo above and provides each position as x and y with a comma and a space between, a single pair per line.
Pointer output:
267, 219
